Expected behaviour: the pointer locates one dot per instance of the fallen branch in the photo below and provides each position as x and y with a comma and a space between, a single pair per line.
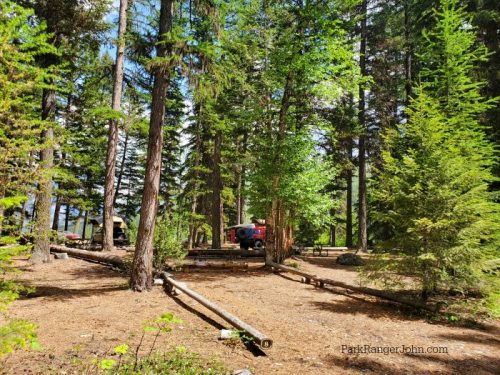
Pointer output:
89, 255
259, 338
319, 281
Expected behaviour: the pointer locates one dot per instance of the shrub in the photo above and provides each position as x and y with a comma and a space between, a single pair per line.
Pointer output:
166, 245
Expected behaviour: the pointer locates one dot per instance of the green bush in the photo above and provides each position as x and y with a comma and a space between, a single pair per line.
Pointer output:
132, 230
166, 245
14, 333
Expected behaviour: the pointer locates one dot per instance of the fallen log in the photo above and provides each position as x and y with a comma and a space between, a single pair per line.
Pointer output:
259, 338
89, 255
319, 281
202, 265
227, 253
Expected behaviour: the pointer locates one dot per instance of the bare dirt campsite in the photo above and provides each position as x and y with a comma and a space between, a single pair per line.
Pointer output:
84, 309
249, 187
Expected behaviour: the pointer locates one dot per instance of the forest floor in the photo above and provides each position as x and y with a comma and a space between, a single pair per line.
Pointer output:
84, 309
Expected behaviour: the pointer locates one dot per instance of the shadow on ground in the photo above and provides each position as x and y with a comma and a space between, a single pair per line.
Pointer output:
415, 364
329, 262
489, 337
220, 274
61, 294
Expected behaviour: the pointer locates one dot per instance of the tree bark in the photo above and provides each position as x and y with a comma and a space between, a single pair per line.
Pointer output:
243, 172
348, 219
238, 198
142, 270
193, 226
2, 209
57, 211
20, 225
216, 195
276, 231
84, 230
107, 240
408, 52
362, 210
122, 168
67, 217
333, 235
41, 249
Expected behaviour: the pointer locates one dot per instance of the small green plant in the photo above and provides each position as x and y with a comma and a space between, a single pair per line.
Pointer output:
107, 364
243, 336
166, 245
452, 318
177, 361
132, 230
14, 333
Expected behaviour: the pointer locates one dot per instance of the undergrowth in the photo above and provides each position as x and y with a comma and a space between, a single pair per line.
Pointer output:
126, 361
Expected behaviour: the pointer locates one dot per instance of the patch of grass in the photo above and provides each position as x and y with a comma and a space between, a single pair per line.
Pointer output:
492, 304
175, 362
124, 360
178, 362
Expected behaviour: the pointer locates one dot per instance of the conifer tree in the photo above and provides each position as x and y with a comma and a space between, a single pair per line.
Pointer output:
21, 81
437, 168
71, 26
142, 273
109, 186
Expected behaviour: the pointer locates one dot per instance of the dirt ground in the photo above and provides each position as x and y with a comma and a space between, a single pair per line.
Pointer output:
84, 309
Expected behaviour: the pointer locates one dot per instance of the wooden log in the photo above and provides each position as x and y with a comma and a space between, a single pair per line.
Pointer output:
393, 297
329, 248
227, 253
89, 255
223, 265
258, 337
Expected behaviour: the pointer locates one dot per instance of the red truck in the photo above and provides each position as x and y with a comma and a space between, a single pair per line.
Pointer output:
248, 235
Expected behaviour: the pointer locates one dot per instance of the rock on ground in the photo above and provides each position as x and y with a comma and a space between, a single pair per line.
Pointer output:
350, 259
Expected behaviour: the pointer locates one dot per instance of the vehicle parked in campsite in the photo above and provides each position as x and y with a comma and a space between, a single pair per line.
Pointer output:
119, 228
248, 235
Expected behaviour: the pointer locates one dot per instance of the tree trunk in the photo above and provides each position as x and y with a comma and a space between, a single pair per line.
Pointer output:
2, 209
109, 183
57, 211
84, 230
333, 235
217, 189
408, 52
193, 226
362, 211
41, 250
122, 168
348, 219
238, 199
241, 181
20, 225
199, 239
33, 210
276, 231
142, 270
67, 217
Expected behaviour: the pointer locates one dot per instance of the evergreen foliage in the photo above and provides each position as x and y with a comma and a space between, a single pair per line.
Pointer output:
263, 118
434, 186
